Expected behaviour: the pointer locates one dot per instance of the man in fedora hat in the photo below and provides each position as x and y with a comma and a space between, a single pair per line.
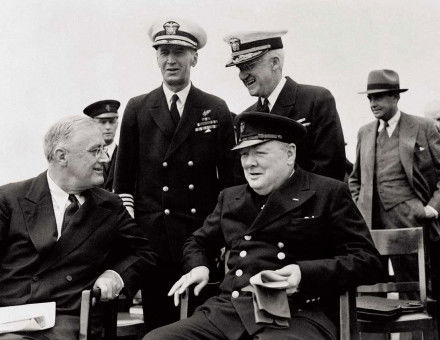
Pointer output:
395, 181
299, 230
173, 158
105, 113
259, 56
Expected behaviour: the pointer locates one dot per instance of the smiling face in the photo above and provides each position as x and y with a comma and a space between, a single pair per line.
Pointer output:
268, 165
383, 105
260, 76
84, 160
175, 63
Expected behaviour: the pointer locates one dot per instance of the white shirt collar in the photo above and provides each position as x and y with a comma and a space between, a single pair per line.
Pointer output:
392, 123
275, 93
183, 94
59, 195
111, 149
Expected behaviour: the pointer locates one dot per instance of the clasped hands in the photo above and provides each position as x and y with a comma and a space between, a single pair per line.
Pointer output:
200, 276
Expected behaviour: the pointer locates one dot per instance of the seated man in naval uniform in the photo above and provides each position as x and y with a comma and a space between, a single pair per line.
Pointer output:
302, 227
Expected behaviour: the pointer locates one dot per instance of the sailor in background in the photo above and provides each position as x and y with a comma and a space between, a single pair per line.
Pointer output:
105, 113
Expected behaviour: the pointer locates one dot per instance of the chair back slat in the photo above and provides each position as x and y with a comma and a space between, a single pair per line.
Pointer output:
403, 241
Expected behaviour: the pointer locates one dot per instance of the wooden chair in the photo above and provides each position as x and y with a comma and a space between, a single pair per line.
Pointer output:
402, 242
102, 320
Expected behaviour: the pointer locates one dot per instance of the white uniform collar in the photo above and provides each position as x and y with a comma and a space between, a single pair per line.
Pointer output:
183, 94
111, 149
275, 93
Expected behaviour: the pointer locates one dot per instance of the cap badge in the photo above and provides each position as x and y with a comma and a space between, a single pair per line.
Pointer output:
171, 27
235, 44
107, 107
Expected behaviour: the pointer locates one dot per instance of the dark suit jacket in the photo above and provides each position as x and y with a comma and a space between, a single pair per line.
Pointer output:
419, 149
312, 220
323, 150
35, 267
109, 174
178, 172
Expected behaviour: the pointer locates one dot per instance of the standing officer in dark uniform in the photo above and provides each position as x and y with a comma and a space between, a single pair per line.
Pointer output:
105, 113
260, 58
302, 228
173, 158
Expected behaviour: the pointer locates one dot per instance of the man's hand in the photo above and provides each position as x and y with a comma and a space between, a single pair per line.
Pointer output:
199, 275
430, 212
110, 284
293, 275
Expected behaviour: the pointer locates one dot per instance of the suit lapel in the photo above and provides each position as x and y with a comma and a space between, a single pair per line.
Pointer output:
191, 114
408, 130
368, 150
86, 221
286, 98
38, 213
289, 197
160, 112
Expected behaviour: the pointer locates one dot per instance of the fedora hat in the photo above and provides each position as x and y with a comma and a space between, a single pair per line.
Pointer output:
383, 81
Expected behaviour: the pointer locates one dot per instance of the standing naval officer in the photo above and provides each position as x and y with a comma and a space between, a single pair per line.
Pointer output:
105, 113
260, 58
173, 158
303, 227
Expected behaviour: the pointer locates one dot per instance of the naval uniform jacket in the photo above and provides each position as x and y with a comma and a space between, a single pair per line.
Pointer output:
35, 267
110, 172
311, 221
323, 150
174, 176
419, 150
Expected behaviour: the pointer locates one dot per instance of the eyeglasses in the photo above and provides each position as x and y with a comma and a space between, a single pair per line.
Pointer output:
98, 152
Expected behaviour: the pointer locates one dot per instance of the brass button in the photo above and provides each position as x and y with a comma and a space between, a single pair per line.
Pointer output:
281, 255
235, 294
243, 253
190, 163
193, 210
191, 187
167, 211
239, 272
280, 245
247, 237
165, 188
164, 164
69, 278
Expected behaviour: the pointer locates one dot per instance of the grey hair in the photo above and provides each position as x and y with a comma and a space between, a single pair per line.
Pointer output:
279, 53
59, 133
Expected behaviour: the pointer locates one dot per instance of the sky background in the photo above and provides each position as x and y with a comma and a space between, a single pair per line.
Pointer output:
58, 56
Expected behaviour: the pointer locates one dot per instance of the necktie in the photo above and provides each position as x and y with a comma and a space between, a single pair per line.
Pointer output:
263, 107
173, 110
382, 137
71, 209
107, 164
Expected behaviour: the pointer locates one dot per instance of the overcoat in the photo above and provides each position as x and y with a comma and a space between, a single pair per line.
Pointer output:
323, 150
419, 150
174, 175
310, 221
35, 267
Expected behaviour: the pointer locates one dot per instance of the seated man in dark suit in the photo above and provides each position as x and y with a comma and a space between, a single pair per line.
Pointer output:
302, 227
61, 234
